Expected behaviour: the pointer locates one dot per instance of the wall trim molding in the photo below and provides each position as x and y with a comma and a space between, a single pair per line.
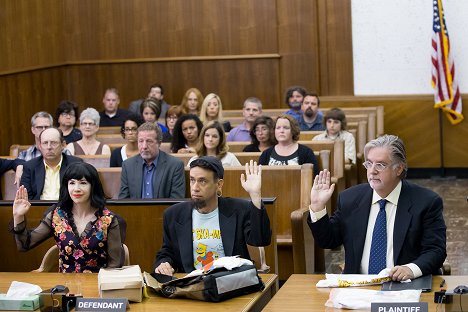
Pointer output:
144, 60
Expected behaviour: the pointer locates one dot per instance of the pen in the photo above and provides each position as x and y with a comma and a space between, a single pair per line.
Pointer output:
442, 283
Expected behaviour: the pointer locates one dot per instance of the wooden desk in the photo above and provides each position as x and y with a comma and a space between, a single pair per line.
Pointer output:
251, 302
300, 294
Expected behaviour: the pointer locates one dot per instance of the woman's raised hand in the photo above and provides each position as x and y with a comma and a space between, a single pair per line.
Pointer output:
321, 191
21, 204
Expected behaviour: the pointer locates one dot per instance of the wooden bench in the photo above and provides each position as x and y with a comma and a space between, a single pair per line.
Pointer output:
308, 257
290, 185
110, 138
144, 220
336, 164
108, 130
376, 121
351, 170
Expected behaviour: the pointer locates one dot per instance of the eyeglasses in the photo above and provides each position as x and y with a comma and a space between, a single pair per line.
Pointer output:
69, 114
378, 166
172, 118
131, 129
41, 127
88, 124
53, 144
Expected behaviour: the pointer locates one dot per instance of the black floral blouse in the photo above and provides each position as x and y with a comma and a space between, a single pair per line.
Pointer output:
100, 244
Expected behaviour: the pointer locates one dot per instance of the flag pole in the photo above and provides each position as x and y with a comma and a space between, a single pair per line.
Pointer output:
441, 145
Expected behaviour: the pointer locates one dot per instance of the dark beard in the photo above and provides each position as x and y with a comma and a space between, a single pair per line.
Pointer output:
198, 204
309, 113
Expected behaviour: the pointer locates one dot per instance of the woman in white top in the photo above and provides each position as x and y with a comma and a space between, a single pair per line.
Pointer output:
88, 145
335, 124
213, 143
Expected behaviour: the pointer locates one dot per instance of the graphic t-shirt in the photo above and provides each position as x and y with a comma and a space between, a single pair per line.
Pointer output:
277, 160
207, 242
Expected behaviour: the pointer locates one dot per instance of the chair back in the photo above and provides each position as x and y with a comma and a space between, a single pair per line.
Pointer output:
50, 262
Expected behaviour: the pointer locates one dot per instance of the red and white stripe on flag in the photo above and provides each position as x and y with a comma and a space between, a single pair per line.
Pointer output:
446, 90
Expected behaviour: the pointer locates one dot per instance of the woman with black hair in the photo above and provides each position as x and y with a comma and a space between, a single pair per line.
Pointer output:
87, 234
186, 131
65, 120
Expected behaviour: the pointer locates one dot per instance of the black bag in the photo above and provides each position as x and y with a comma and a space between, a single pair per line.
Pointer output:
215, 286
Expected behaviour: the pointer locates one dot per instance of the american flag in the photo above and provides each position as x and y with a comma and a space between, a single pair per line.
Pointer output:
446, 91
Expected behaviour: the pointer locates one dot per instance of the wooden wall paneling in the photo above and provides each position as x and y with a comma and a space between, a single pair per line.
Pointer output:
23, 95
412, 118
31, 34
119, 29
233, 80
298, 46
335, 47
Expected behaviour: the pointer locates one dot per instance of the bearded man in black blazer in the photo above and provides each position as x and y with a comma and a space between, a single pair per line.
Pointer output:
414, 225
210, 226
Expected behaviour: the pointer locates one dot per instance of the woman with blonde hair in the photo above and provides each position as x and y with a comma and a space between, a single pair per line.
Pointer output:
212, 142
212, 110
191, 102
88, 145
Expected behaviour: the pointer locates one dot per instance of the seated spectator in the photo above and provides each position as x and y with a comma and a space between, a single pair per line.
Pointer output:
156, 91
41, 175
252, 109
39, 122
238, 221
150, 110
129, 133
112, 115
186, 132
312, 118
335, 121
294, 97
88, 145
287, 151
88, 235
191, 102
152, 173
212, 109
262, 134
173, 113
213, 143
65, 120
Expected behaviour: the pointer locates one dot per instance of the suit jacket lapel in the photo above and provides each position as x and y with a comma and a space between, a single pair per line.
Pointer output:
63, 166
227, 226
183, 228
138, 169
157, 178
402, 220
360, 220
40, 177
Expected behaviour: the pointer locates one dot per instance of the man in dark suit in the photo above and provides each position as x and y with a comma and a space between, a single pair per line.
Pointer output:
389, 221
152, 173
210, 226
42, 175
